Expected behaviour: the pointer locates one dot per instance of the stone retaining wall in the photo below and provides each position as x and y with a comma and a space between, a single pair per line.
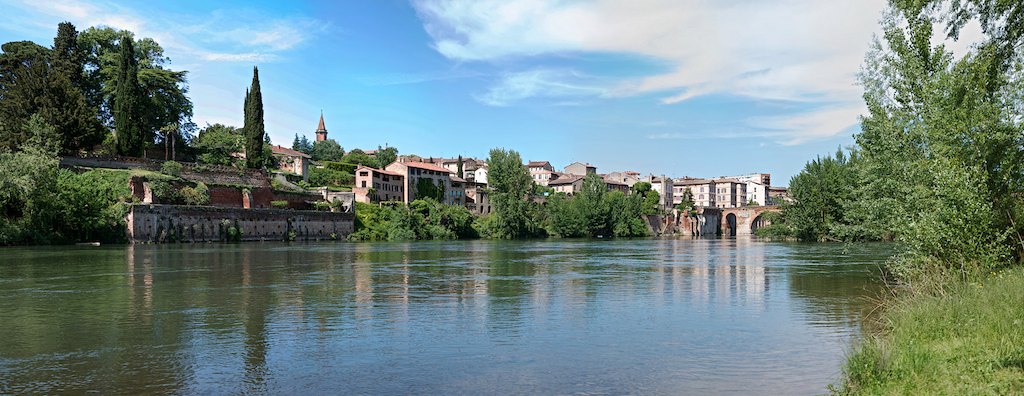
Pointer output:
176, 223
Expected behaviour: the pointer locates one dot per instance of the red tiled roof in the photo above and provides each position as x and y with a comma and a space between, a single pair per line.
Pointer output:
533, 164
457, 179
565, 180
279, 150
424, 165
386, 172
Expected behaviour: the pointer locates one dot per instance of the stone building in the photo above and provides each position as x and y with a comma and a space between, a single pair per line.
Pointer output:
376, 185
702, 190
731, 193
580, 169
414, 171
291, 161
568, 184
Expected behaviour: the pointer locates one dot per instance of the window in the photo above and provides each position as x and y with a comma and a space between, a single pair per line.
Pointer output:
364, 184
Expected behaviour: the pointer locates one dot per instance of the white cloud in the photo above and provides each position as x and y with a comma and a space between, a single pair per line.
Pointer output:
819, 124
250, 57
214, 41
548, 83
791, 50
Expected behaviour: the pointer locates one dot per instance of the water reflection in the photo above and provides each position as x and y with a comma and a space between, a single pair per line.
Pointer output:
663, 316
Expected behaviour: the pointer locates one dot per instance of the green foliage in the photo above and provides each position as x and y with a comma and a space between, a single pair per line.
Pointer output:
327, 150
43, 204
254, 129
171, 168
36, 81
279, 204
301, 144
198, 195
217, 143
967, 342
822, 191
385, 156
340, 166
510, 182
425, 188
596, 212
422, 219
323, 177
359, 157
162, 98
128, 103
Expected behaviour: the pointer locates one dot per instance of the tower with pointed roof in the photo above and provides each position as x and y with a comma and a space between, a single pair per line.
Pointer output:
321, 130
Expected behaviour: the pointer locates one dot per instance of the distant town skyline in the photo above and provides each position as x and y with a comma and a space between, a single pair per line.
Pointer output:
681, 88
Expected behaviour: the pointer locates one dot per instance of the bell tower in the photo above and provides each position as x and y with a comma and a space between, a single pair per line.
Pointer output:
321, 130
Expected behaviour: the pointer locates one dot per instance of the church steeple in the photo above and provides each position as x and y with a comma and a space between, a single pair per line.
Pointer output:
321, 130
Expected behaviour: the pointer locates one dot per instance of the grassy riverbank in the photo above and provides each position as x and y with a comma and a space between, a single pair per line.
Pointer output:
968, 341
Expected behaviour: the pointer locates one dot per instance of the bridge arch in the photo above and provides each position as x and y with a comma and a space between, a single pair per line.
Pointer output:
730, 224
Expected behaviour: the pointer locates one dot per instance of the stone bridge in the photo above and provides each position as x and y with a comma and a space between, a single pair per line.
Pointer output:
744, 220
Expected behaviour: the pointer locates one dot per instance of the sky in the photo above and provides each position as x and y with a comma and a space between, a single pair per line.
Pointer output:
674, 87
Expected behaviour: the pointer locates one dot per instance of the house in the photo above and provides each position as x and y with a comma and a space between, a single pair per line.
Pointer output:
478, 199
702, 191
778, 195
540, 171
757, 193
568, 184
628, 177
414, 172
756, 185
614, 185
480, 175
665, 189
377, 185
455, 195
580, 169
292, 161
731, 193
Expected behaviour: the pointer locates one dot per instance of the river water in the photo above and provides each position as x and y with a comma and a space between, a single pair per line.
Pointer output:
646, 316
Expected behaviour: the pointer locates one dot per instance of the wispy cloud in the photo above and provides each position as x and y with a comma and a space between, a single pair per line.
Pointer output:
544, 83
814, 125
223, 38
805, 51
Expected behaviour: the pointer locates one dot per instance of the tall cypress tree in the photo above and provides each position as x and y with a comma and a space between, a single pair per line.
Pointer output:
254, 128
65, 106
128, 102
459, 168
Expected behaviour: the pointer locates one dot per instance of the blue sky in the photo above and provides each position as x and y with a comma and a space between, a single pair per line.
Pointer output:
676, 87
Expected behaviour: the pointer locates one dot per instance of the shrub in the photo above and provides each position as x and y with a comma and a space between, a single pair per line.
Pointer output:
329, 177
172, 168
279, 204
198, 195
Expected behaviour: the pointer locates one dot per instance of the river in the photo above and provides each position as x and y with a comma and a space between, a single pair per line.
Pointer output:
645, 316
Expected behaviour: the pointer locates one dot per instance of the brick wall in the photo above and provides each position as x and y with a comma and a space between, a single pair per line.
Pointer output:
176, 223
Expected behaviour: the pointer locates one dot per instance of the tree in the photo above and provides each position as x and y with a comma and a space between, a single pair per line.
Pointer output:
511, 184
164, 91
359, 157
45, 82
254, 129
128, 106
386, 156
301, 144
686, 203
217, 144
458, 171
327, 150
822, 191
942, 149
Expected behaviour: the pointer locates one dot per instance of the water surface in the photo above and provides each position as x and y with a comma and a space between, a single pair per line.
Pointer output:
648, 316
